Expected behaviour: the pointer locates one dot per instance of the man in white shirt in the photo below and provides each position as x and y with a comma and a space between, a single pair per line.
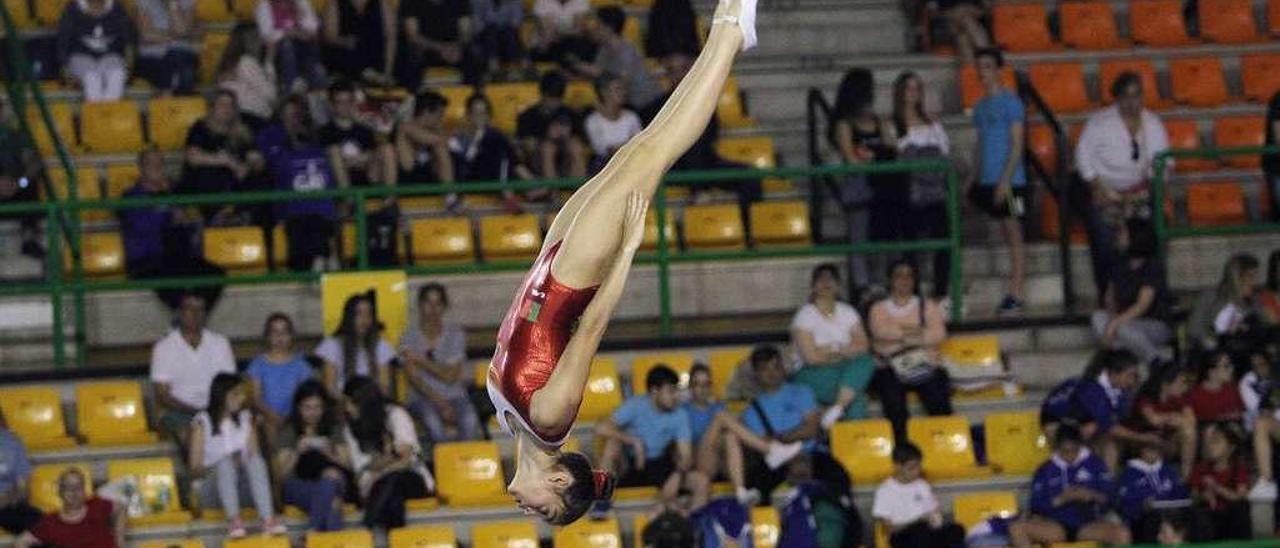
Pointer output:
1115, 158
183, 365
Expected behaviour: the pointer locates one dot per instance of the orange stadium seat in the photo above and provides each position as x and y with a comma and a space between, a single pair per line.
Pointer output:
863, 447
214, 11
947, 446
34, 414
157, 486
113, 127
1158, 23
717, 227
580, 94
1216, 203
63, 124
101, 255
211, 47
1198, 82
730, 111
44, 483
1049, 223
169, 119
470, 473
120, 178
1089, 25
604, 390
1022, 27
443, 240
780, 223
1273, 17
1261, 76
423, 536
1228, 22
971, 508
681, 362
586, 533
112, 413
1185, 134
350, 538
1108, 71
509, 100
1040, 140
971, 86
1062, 86
504, 534
48, 12
1240, 132
509, 237
240, 249
1015, 445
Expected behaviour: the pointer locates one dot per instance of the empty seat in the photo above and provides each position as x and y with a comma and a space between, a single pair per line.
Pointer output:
446, 240
580, 95
350, 538
1015, 445
780, 223
212, 44
1089, 25
169, 118
87, 190
456, 111
257, 541
723, 364
240, 249
947, 446
154, 480
1061, 85
681, 362
1216, 203
20, 12
730, 111
112, 413
44, 483
1244, 131
1040, 140
422, 536
971, 89
713, 227
650, 241
509, 100
101, 255
632, 34
1050, 224
214, 11
1198, 82
971, 508
34, 414
172, 543
766, 527
1021, 26
1158, 23
1185, 134
603, 393
587, 533
504, 534
1261, 76
113, 127
972, 350
1108, 71
120, 178
48, 12
63, 124
469, 474
509, 237
757, 152
864, 447
1228, 21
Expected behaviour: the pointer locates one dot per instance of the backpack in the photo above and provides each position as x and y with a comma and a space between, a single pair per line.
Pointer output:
801, 524
668, 530
723, 523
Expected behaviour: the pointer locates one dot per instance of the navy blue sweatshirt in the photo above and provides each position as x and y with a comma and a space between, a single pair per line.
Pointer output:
1142, 482
1055, 475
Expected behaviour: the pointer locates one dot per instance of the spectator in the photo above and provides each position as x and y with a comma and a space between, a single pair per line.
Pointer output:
289, 28
1115, 158
905, 504
435, 357
1095, 403
496, 33
964, 20
167, 51
906, 331
1258, 390
313, 460
1070, 494
1269, 293
612, 124
861, 137
922, 137
219, 156
782, 412
20, 168
484, 153
618, 57
1228, 317
360, 40
245, 71
1162, 409
95, 38
16, 514
1220, 482
1217, 398
1001, 184
652, 430
1148, 481
422, 146
224, 441
160, 241
433, 34
278, 372
183, 366
551, 134
299, 163
1136, 298
673, 29
356, 155
832, 352
83, 520
560, 35
1271, 162
385, 453
356, 347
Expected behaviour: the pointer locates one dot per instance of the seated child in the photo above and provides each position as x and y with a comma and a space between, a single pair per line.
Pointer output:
905, 504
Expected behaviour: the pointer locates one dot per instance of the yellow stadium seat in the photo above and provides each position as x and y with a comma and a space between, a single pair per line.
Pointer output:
981, 350
423, 536
971, 508
947, 446
509, 100
44, 484
632, 34
214, 11
120, 178
716, 227
350, 538
681, 362
48, 12
34, 414
580, 95
757, 152
765, 527
244, 9
1015, 443
880, 536
723, 364
169, 119
510, 237
348, 244
20, 11
586, 533
112, 413
504, 534
470, 474
777, 185
431, 202
650, 241
455, 113
864, 447
604, 390
88, 189
172, 543
444, 240
730, 111
64, 125
257, 541
154, 478
101, 255
780, 223
239, 249
211, 47
113, 127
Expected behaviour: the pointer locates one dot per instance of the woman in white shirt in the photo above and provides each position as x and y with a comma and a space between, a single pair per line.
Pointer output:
612, 124
920, 137
831, 349
356, 347
244, 72
385, 454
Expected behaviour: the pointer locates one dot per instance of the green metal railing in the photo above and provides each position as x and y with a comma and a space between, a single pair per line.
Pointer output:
1159, 191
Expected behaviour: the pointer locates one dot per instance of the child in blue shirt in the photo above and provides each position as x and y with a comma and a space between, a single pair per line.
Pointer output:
1147, 486
277, 373
1070, 495
1095, 403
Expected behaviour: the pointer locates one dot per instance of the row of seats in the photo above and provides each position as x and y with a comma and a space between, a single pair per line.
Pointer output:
1227, 131
1092, 25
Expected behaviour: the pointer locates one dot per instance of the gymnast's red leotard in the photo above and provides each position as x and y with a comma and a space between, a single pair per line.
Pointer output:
531, 339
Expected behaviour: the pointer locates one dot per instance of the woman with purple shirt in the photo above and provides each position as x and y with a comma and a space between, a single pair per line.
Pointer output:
298, 163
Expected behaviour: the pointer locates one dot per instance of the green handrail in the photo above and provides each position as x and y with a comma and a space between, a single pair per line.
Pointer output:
1164, 232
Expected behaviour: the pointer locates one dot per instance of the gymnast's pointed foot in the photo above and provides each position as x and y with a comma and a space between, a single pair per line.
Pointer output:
743, 14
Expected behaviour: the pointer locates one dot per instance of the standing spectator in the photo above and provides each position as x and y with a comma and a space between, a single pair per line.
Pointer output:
1116, 161
1137, 299
385, 453
225, 442
922, 137
1095, 403
832, 351
434, 33
290, 28
560, 36
167, 52
435, 355
16, 514
782, 412
1220, 482
497, 33
219, 155
1217, 398
1001, 184
1162, 409
618, 57
484, 153
95, 38
964, 19
1271, 162
248, 74
422, 146
183, 366
313, 460
904, 502
360, 40
906, 333
82, 521
356, 347
1228, 317
1070, 495
673, 28
298, 163
356, 155
277, 373
1147, 481
612, 124
861, 137
550, 133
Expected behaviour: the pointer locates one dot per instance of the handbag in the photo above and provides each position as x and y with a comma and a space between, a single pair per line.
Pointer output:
925, 187
912, 365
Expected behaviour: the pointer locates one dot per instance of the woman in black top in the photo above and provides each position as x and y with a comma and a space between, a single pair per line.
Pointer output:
360, 39
484, 153
219, 156
1137, 298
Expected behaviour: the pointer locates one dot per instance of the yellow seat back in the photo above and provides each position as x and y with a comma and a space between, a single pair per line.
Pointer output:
20, 11
510, 237
509, 100
723, 364
44, 484
34, 414
946, 443
111, 127
972, 350
63, 124
586, 533
350, 538
238, 249
110, 410
423, 536
780, 223
120, 178
650, 241
1015, 444
681, 362
445, 240
257, 541
971, 508
864, 448
455, 113
714, 227
604, 390
757, 152
48, 12
469, 473
580, 95
169, 118
214, 11
730, 111
638, 523
504, 534
155, 481
766, 528
101, 254
212, 45
172, 543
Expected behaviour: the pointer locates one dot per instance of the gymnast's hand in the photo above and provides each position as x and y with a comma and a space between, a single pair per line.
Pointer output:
633, 223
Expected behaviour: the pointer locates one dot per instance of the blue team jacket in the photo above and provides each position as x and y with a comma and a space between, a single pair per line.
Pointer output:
1055, 475
1141, 482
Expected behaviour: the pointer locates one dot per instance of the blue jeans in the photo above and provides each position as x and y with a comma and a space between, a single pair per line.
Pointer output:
299, 59
319, 498
232, 477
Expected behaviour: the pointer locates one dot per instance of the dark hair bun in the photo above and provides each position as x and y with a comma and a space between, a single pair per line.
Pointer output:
604, 483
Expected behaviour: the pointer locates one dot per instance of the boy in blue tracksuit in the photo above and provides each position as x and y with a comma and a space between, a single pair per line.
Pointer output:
1095, 403
1070, 494
1147, 485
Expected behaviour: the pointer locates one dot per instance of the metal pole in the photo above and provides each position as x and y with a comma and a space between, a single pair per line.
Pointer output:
362, 233
956, 249
53, 273
664, 266
1157, 212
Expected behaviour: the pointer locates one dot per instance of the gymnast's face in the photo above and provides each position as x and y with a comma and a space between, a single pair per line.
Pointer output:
537, 492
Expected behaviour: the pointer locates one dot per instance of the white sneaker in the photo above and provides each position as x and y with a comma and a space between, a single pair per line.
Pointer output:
748, 497
746, 20
780, 453
1263, 491
831, 415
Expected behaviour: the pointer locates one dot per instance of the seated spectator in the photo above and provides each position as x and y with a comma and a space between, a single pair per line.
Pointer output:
782, 412
422, 146
278, 372
1162, 409
1136, 313
651, 431
1258, 391
1228, 317
484, 154
289, 28
1071, 493
611, 125
167, 51
95, 39
964, 21
496, 34
434, 353
313, 460
433, 33
921, 137
299, 163
1000, 187
246, 72
831, 345
619, 58
551, 134
356, 347
1220, 482
560, 36
820, 511
1095, 403
16, 513
906, 331
673, 29
183, 366
20, 168
225, 442
905, 504
219, 156
83, 520
1217, 398
385, 454
355, 153
161, 241
1148, 483
360, 40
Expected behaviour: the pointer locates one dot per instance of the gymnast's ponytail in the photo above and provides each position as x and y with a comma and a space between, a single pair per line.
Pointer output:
588, 487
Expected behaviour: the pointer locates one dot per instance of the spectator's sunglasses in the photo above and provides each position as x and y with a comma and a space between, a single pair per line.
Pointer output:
1137, 153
